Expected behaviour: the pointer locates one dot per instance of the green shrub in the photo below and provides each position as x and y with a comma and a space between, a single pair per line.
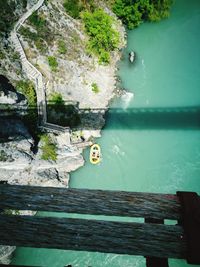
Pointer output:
3, 155
95, 88
62, 49
10, 212
73, 8
103, 38
27, 88
2, 55
15, 56
53, 63
48, 148
41, 45
56, 98
37, 20
28, 34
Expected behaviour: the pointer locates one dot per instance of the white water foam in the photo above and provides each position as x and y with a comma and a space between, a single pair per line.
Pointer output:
127, 98
116, 150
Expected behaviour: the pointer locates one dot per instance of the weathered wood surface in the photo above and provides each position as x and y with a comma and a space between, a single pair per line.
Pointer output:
92, 235
84, 201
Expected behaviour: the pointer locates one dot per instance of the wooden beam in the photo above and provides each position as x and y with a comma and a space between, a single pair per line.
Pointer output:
92, 235
85, 201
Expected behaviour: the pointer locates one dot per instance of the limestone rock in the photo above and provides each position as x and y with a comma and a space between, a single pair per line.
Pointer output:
6, 254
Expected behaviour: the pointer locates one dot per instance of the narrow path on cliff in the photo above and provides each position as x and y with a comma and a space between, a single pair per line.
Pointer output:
33, 73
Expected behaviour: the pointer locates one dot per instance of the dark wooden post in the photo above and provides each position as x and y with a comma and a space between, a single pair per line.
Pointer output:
191, 224
156, 261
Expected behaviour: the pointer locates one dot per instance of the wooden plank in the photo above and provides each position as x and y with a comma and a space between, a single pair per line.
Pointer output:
84, 201
92, 235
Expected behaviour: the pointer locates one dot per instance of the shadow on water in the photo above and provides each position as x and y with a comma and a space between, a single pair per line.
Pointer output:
184, 118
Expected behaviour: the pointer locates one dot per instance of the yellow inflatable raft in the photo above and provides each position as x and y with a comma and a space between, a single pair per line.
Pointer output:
95, 154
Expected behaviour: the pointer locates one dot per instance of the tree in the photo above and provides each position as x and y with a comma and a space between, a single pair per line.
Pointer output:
7, 15
134, 12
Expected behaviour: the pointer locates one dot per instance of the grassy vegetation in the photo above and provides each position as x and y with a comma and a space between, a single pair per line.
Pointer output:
27, 88
48, 148
133, 13
38, 21
15, 56
28, 34
57, 100
62, 48
95, 88
53, 63
2, 54
103, 38
37, 39
10, 212
3, 155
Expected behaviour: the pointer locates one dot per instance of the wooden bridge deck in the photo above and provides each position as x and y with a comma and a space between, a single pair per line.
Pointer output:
146, 239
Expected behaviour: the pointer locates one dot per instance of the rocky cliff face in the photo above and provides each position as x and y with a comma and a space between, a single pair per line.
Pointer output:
6, 254
73, 78
19, 165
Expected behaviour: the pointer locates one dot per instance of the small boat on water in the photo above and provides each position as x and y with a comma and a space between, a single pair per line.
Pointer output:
95, 154
132, 56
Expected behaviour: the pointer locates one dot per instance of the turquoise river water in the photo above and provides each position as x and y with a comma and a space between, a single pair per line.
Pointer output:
149, 143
